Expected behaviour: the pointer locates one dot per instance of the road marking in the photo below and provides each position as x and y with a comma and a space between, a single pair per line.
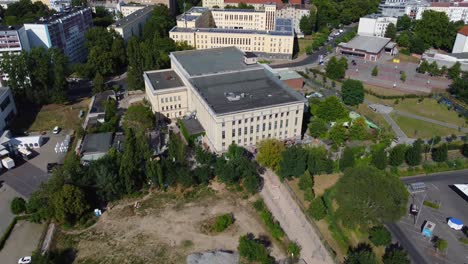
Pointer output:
435, 186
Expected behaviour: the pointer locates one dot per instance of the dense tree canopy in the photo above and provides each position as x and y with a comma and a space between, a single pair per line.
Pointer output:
435, 29
391, 31
69, 204
459, 87
139, 117
318, 161
332, 13
352, 92
37, 77
413, 153
269, 153
293, 162
330, 109
24, 11
336, 69
362, 254
397, 155
395, 255
380, 197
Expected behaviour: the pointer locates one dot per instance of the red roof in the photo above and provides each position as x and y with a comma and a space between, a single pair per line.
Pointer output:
464, 31
278, 2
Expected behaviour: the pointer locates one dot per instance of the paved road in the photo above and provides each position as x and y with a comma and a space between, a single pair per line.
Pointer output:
429, 120
22, 242
292, 220
443, 180
309, 59
7, 194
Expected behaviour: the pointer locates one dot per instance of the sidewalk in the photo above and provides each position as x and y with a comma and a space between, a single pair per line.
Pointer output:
292, 220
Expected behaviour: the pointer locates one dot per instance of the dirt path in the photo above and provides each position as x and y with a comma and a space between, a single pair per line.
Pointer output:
293, 221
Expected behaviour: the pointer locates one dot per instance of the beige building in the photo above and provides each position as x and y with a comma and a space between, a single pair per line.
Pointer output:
249, 30
235, 99
126, 10
295, 12
132, 25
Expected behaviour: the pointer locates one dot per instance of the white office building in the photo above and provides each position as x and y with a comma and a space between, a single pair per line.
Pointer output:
375, 25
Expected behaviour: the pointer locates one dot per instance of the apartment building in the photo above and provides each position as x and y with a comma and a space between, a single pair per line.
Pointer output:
375, 25
235, 99
7, 107
249, 30
13, 39
115, 5
64, 31
132, 25
126, 10
393, 8
294, 12
455, 11
257, 4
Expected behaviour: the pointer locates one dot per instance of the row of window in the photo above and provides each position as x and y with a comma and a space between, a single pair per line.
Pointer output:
246, 120
171, 107
170, 99
271, 126
249, 140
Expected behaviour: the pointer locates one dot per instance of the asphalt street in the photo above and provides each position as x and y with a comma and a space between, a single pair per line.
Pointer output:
312, 57
452, 204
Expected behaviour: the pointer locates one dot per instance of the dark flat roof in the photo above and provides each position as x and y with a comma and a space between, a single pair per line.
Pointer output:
199, 62
193, 126
99, 99
97, 143
164, 79
243, 90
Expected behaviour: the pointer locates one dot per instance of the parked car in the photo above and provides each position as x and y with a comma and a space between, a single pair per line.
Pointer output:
56, 130
24, 260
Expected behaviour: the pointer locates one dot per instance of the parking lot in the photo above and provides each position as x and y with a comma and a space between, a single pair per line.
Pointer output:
408, 229
26, 176
22, 242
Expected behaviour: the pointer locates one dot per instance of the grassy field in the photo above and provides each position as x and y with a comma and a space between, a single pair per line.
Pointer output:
406, 58
303, 43
427, 108
49, 116
419, 129
383, 91
375, 118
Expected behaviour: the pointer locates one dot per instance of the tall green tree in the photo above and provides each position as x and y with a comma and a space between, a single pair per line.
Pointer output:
352, 92
459, 87
380, 198
404, 23
338, 134
335, 69
318, 161
397, 155
348, 159
454, 71
69, 204
293, 162
375, 71
317, 127
358, 129
413, 153
269, 153
330, 109
139, 117
110, 185
395, 255
440, 153
129, 169
362, 254
379, 158
391, 31
98, 84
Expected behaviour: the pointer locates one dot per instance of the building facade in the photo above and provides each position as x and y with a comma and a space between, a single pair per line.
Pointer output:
461, 42
375, 25
126, 10
7, 107
64, 31
455, 11
257, 4
13, 39
132, 25
234, 99
295, 13
249, 30
367, 47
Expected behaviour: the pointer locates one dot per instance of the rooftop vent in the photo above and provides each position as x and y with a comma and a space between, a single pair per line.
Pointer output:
250, 58
232, 97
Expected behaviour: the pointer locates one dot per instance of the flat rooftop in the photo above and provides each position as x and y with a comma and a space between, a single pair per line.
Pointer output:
243, 90
164, 79
132, 17
366, 43
99, 100
95, 143
210, 61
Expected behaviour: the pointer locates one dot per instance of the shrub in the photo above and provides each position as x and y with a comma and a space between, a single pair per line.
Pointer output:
18, 205
380, 236
294, 250
431, 204
222, 222
252, 250
441, 244
317, 209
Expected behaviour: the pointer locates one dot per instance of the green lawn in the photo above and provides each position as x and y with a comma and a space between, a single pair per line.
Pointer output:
49, 116
303, 43
419, 129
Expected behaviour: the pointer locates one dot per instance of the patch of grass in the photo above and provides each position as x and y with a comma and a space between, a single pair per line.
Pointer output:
375, 118
420, 129
187, 243
48, 116
271, 224
405, 58
431, 204
222, 222
303, 43
383, 91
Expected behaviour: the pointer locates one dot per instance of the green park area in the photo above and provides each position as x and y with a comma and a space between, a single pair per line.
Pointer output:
47, 117
420, 129
303, 43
